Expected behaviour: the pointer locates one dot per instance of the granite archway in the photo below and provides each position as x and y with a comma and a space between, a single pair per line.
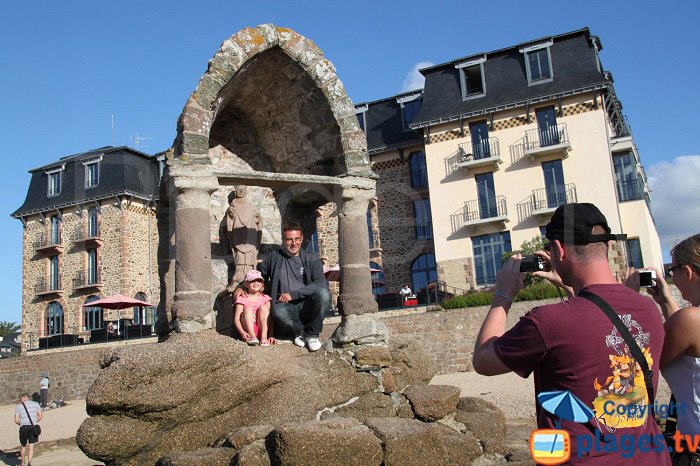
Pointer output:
270, 97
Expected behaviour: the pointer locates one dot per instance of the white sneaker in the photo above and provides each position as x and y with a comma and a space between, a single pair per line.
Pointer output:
313, 343
300, 341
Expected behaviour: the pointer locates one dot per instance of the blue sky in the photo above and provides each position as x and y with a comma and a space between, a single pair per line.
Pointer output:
67, 67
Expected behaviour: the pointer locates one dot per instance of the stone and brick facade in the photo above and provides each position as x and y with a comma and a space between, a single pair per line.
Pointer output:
86, 245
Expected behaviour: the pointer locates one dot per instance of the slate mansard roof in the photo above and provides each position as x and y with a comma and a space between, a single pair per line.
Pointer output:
122, 171
384, 124
575, 66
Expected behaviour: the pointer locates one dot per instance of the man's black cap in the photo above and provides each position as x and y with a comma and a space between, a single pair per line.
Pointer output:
572, 224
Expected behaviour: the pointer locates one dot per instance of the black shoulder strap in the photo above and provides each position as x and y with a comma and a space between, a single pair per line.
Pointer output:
627, 336
28, 415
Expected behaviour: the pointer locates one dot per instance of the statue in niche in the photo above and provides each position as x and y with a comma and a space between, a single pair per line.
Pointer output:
244, 232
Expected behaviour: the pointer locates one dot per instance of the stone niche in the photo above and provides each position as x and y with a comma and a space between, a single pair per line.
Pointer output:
269, 113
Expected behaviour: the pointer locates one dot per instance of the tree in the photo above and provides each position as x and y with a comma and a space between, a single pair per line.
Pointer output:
528, 247
8, 327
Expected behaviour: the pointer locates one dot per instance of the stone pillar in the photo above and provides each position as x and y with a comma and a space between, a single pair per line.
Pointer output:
192, 303
359, 324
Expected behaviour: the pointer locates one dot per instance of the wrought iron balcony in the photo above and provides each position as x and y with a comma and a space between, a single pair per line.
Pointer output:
546, 141
51, 243
89, 234
488, 210
49, 285
630, 190
88, 278
482, 153
545, 200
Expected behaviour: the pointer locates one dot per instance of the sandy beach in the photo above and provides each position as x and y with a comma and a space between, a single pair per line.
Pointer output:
513, 394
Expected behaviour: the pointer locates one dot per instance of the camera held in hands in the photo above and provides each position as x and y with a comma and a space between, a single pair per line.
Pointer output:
646, 278
532, 263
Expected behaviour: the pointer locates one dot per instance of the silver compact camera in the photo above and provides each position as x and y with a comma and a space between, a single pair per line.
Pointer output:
646, 278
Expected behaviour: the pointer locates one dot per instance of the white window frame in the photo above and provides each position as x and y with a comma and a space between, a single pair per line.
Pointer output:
534, 48
50, 173
402, 101
361, 112
462, 66
87, 165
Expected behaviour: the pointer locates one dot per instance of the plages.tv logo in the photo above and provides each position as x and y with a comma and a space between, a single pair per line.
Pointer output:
550, 446
553, 446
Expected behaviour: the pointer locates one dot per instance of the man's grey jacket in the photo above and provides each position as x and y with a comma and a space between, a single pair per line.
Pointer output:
313, 274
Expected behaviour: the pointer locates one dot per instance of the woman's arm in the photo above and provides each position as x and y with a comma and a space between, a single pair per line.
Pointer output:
682, 335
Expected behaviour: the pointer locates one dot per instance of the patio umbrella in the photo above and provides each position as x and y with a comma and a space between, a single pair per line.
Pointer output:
118, 301
565, 405
333, 273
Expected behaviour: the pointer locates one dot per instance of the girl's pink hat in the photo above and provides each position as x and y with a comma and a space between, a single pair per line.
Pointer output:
253, 275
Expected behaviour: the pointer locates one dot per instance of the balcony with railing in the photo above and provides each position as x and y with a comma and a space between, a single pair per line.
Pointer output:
89, 234
49, 285
49, 243
88, 278
547, 141
479, 212
474, 154
630, 190
545, 200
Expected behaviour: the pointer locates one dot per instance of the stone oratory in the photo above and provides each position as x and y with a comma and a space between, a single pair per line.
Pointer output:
270, 100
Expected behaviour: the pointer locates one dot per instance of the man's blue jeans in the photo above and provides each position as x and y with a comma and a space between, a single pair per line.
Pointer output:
302, 317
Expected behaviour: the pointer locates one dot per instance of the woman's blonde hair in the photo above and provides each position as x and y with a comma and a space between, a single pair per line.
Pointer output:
688, 252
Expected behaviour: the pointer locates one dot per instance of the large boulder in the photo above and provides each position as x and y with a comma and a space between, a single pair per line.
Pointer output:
432, 402
194, 389
409, 442
334, 441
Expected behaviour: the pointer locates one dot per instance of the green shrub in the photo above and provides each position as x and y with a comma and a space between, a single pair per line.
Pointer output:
537, 291
477, 298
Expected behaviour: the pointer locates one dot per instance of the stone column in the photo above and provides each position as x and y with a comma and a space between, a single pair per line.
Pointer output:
359, 324
192, 303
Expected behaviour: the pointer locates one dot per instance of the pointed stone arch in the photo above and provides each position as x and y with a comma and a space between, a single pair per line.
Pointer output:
270, 97
227, 92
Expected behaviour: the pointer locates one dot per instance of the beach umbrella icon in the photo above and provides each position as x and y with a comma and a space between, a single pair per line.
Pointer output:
565, 405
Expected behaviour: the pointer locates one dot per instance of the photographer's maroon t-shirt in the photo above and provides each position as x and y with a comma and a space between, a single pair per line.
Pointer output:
574, 346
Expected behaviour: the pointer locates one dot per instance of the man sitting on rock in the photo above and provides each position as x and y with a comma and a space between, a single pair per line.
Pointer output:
299, 290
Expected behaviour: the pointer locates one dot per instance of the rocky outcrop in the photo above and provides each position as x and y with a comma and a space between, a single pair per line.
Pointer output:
207, 399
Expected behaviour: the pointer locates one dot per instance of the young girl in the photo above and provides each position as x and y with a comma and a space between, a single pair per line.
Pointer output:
252, 312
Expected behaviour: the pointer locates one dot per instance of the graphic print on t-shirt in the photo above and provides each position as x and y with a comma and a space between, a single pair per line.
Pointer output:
622, 399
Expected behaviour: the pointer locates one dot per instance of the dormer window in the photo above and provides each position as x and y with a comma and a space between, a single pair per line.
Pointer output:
92, 173
471, 78
54, 181
538, 63
361, 114
410, 106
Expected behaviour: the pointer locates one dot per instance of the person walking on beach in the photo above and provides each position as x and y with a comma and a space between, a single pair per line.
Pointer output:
574, 347
44, 389
27, 413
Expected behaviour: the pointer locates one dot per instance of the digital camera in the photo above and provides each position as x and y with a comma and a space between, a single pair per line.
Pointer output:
646, 278
532, 263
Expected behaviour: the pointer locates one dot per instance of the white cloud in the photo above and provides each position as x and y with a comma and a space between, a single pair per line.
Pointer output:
675, 200
414, 80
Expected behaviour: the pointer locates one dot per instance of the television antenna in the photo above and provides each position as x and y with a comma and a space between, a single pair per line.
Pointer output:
137, 141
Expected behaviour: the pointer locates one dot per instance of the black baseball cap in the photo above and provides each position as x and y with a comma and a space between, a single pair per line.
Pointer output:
572, 224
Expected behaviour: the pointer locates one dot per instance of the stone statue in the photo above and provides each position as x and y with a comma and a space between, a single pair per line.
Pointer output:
244, 232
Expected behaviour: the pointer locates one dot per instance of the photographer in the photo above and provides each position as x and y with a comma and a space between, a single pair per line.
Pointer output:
573, 346
680, 358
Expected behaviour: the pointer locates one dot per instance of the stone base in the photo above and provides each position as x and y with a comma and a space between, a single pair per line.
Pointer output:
195, 324
363, 329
